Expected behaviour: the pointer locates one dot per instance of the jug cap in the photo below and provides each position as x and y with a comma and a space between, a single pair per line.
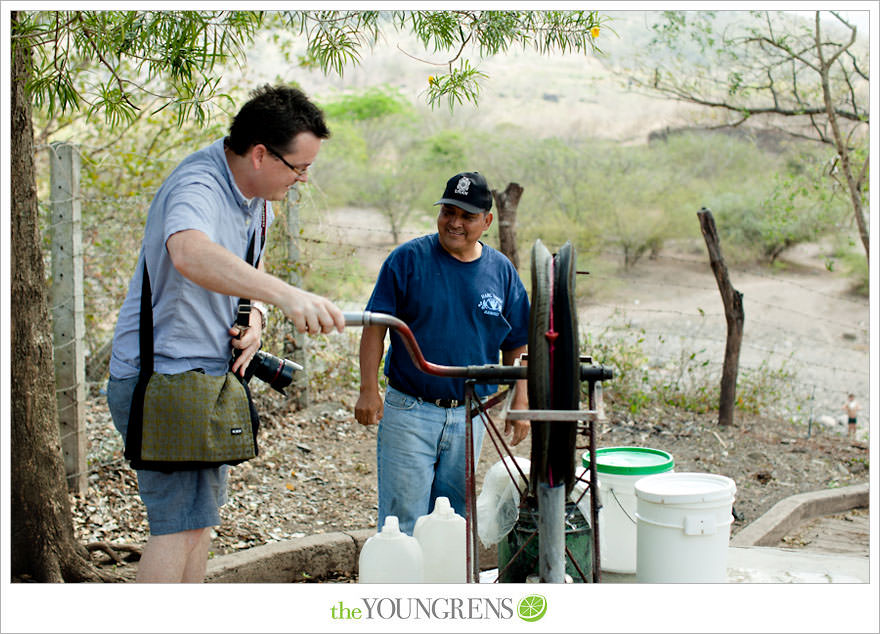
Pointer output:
442, 507
391, 527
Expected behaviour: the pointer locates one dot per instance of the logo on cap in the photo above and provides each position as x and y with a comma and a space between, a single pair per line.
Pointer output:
463, 186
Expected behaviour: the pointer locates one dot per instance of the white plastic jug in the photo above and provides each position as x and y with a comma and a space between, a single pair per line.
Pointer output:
391, 557
442, 537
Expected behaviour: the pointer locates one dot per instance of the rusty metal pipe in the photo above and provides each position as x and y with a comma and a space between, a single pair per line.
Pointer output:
493, 372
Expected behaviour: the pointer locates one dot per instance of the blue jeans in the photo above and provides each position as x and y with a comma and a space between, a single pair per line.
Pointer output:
177, 501
420, 454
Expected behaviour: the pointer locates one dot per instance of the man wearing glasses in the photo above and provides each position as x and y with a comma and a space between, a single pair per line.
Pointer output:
199, 229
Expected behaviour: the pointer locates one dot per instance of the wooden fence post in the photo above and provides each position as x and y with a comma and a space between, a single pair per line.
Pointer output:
733, 312
506, 203
66, 300
295, 343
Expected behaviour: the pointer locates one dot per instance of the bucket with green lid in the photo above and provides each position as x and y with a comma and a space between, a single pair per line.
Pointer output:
618, 469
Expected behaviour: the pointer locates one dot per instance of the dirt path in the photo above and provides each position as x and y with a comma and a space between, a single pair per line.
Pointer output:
803, 318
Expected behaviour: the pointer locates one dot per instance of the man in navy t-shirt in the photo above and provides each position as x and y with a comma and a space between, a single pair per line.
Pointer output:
466, 305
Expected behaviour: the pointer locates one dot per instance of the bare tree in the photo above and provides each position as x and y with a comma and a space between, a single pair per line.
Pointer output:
733, 313
808, 80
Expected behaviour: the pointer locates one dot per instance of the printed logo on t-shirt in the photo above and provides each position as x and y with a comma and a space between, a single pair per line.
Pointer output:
491, 304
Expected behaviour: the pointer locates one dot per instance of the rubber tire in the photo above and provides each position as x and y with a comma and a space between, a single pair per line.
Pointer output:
539, 361
566, 384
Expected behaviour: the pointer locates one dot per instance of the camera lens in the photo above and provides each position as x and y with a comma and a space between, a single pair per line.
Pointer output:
277, 372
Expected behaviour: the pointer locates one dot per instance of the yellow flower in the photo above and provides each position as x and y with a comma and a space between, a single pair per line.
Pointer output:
430, 79
594, 32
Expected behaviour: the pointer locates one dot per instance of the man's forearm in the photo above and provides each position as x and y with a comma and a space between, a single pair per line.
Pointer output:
211, 266
371, 350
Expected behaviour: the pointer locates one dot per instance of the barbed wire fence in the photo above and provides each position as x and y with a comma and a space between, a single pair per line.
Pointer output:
340, 258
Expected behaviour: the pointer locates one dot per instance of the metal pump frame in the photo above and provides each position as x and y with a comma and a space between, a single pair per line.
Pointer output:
586, 419
506, 374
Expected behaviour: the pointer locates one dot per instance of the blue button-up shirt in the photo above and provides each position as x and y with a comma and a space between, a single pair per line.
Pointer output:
190, 323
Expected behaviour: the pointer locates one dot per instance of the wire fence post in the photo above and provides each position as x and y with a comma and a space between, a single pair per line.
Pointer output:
68, 311
296, 344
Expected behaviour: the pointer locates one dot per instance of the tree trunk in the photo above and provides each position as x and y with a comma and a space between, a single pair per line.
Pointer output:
852, 185
506, 203
733, 312
42, 545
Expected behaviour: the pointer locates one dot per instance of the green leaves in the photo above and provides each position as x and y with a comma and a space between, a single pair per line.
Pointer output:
440, 29
111, 61
334, 38
460, 85
127, 57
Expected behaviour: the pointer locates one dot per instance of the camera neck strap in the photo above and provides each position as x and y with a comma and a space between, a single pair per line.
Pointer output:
243, 317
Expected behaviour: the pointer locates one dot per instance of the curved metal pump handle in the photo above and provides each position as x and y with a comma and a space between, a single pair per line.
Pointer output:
494, 372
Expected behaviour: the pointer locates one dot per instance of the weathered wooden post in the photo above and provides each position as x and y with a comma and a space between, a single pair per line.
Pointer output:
733, 312
506, 203
66, 300
296, 343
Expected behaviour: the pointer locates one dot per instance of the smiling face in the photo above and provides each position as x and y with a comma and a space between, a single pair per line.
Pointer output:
460, 231
280, 168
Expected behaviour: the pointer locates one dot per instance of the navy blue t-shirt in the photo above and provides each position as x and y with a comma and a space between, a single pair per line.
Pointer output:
461, 313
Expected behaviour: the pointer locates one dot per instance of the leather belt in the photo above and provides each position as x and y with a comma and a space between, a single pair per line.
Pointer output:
445, 403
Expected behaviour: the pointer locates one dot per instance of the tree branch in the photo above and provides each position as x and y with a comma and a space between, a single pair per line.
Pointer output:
105, 63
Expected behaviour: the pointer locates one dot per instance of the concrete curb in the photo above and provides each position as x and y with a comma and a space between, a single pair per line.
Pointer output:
312, 557
789, 513
318, 556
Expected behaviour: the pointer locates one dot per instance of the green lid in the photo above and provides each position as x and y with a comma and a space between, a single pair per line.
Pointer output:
630, 460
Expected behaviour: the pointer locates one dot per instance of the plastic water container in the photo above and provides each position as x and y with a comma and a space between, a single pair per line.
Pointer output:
684, 527
391, 557
498, 502
618, 470
442, 536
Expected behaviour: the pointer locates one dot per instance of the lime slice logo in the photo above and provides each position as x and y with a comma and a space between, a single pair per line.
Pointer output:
532, 608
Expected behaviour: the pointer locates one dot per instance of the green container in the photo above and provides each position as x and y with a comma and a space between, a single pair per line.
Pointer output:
578, 541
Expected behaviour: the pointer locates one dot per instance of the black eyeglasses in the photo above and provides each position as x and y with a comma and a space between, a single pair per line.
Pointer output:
297, 170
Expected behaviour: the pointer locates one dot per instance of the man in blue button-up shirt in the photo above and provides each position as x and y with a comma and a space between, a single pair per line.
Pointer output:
195, 242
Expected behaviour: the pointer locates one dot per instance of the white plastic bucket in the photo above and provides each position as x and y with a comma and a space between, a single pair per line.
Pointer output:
618, 470
683, 527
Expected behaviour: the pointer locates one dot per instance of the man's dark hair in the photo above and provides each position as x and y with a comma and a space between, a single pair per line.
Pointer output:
273, 116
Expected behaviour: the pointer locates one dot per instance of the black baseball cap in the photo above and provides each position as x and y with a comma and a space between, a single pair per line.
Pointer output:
469, 191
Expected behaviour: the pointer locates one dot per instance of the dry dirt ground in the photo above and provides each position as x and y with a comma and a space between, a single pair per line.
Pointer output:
316, 471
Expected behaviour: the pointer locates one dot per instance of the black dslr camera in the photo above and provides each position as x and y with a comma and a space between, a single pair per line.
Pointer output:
275, 371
